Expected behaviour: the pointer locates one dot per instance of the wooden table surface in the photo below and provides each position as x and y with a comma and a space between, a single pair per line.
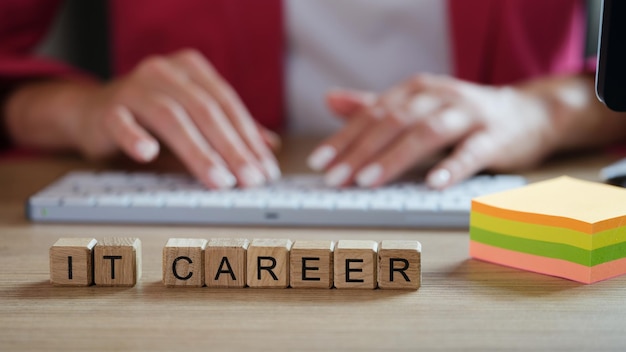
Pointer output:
463, 304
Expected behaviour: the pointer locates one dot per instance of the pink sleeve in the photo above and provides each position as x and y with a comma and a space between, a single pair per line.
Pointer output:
502, 42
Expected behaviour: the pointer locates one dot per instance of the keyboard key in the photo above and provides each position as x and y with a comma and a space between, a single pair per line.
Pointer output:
45, 200
113, 201
75, 201
283, 203
420, 205
249, 203
147, 200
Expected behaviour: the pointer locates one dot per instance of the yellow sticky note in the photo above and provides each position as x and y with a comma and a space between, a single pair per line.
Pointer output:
564, 202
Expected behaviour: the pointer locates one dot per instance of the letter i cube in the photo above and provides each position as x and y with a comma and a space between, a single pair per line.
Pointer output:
71, 262
183, 262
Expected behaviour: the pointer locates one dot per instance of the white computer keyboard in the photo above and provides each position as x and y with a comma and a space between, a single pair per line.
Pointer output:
299, 200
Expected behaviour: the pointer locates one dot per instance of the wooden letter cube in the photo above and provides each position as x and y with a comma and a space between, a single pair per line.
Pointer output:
225, 262
399, 265
356, 263
268, 263
183, 262
117, 262
311, 264
71, 262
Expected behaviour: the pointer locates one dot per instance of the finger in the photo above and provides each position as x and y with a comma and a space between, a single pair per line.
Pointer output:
200, 71
133, 139
370, 143
210, 119
423, 140
324, 154
426, 104
377, 136
345, 103
270, 138
427, 82
470, 157
328, 151
170, 122
221, 135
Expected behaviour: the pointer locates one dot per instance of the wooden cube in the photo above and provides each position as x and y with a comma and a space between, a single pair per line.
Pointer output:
399, 265
117, 261
71, 262
268, 263
311, 264
225, 262
183, 262
356, 263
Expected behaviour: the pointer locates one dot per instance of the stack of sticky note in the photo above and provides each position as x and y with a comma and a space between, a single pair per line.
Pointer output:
562, 227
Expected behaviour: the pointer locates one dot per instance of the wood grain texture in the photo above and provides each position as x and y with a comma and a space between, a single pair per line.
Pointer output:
311, 264
268, 263
399, 264
225, 262
462, 304
117, 261
183, 262
71, 261
356, 264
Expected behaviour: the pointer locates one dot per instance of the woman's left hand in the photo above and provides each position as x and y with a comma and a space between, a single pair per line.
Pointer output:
496, 128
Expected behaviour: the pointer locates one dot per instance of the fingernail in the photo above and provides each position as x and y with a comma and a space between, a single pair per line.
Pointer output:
338, 175
321, 157
439, 179
453, 120
364, 97
147, 150
221, 177
251, 176
272, 169
369, 175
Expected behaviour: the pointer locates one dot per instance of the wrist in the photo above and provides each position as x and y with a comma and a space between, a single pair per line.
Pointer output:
538, 112
46, 114
574, 115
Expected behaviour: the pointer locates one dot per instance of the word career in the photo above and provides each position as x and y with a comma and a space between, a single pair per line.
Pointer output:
237, 263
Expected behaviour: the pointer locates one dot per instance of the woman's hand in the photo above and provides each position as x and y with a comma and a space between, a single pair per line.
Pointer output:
501, 129
181, 100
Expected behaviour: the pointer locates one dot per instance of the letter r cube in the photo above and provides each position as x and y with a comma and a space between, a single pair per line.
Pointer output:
399, 265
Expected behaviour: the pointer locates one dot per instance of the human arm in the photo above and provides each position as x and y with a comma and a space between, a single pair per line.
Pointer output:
178, 99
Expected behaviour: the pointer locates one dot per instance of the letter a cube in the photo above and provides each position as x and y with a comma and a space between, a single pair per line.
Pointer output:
225, 262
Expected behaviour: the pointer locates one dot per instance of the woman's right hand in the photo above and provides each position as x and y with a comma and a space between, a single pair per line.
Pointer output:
183, 101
